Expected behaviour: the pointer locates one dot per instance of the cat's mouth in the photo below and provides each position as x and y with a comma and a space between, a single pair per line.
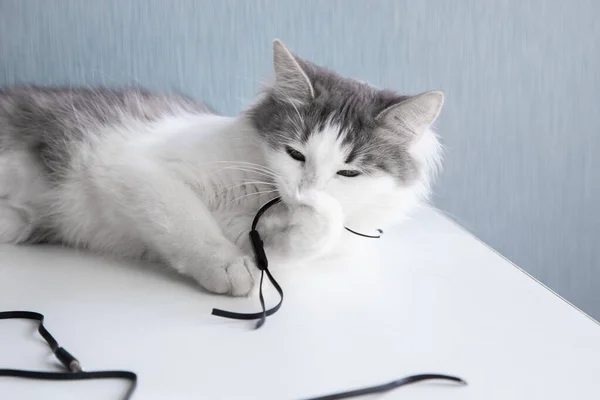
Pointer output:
286, 198
285, 193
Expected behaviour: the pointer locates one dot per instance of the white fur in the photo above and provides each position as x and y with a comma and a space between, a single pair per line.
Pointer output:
22, 191
184, 190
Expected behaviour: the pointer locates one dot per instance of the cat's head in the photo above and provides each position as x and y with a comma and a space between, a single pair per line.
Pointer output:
371, 149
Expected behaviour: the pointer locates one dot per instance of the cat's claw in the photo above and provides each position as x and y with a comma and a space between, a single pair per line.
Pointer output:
234, 278
240, 276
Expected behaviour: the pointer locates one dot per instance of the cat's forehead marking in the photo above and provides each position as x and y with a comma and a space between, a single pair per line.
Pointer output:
325, 146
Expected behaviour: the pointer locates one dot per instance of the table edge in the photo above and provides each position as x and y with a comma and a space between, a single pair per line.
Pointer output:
448, 218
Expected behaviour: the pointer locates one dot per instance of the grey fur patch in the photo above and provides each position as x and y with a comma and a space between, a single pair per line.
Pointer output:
48, 121
351, 105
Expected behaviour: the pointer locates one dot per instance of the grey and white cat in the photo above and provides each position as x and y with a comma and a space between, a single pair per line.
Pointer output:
142, 175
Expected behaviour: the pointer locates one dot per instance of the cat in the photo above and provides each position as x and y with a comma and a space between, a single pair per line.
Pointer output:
161, 177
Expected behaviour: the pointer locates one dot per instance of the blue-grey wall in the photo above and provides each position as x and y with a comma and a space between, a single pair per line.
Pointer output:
522, 78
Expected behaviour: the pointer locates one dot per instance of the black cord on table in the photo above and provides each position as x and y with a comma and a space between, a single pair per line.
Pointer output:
386, 387
75, 372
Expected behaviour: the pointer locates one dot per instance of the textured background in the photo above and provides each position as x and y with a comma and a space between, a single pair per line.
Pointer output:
521, 121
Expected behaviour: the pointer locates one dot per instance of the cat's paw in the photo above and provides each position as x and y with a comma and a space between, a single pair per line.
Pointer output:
235, 277
316, 222
322, 206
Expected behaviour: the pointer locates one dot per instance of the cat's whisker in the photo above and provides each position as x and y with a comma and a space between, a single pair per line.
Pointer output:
258, 166
250, 171
242, 164
247, 163
242, 167
252, 194
248, 184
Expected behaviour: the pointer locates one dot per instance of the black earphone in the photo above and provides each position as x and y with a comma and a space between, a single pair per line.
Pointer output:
75, 371
262, 263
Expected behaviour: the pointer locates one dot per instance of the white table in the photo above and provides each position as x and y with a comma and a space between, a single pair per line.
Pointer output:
431, 299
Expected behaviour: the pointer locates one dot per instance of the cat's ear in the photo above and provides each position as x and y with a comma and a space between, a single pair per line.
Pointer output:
413, 116
290, 78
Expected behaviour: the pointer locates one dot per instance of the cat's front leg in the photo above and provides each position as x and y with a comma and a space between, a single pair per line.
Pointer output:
175, 223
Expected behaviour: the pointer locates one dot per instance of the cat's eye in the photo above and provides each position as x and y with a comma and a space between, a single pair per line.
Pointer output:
295, 154
348, 173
